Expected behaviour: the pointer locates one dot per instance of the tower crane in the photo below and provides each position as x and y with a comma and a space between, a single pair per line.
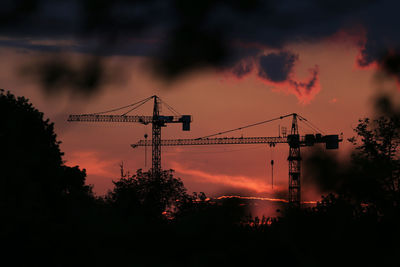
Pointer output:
294, 140
156, 120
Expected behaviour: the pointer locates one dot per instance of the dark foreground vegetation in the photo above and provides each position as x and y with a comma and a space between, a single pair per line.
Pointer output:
49, 216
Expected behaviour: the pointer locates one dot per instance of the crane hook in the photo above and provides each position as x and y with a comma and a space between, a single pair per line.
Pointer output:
272, 174
272, 145
145, 150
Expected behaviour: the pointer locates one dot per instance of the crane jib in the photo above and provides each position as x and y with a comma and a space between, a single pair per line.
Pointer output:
331, 141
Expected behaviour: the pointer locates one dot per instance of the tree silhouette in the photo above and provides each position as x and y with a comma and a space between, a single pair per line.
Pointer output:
155, 197
372, 175
33, 177
378, 161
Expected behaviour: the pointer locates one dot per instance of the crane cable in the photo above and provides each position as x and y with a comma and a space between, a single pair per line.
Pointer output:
309, 124
246, 126
170, 108
137, 105
145, 150
272, 146
134, 108
141, 102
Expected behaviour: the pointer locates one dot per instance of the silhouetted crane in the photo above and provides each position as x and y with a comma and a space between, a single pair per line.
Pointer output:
294, 140
156, 120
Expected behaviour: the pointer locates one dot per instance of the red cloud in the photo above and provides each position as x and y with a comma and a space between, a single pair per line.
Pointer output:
241, 182
305, 90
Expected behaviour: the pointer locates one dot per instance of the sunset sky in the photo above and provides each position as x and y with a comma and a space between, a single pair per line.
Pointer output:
318, 60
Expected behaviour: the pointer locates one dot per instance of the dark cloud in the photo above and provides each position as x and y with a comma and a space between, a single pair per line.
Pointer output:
390, 65
139, 47
272, 23
189, 35
189, 49
381, 25
58, 74
242, 68
305, 88
277, 67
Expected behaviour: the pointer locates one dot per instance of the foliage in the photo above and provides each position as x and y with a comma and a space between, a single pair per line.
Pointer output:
377, 160
150, 195
33, 176
380, 138
369, 182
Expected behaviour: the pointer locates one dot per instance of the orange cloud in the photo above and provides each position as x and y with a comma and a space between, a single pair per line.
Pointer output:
333, 100
371, 66
93, 163
254, 184
256, 198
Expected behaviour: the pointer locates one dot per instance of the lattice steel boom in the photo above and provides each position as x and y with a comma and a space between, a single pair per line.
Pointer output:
215, 141
294, 164
123, 118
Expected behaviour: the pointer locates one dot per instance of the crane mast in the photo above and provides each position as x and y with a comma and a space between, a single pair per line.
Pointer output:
294, 140
294, 163
156, 139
